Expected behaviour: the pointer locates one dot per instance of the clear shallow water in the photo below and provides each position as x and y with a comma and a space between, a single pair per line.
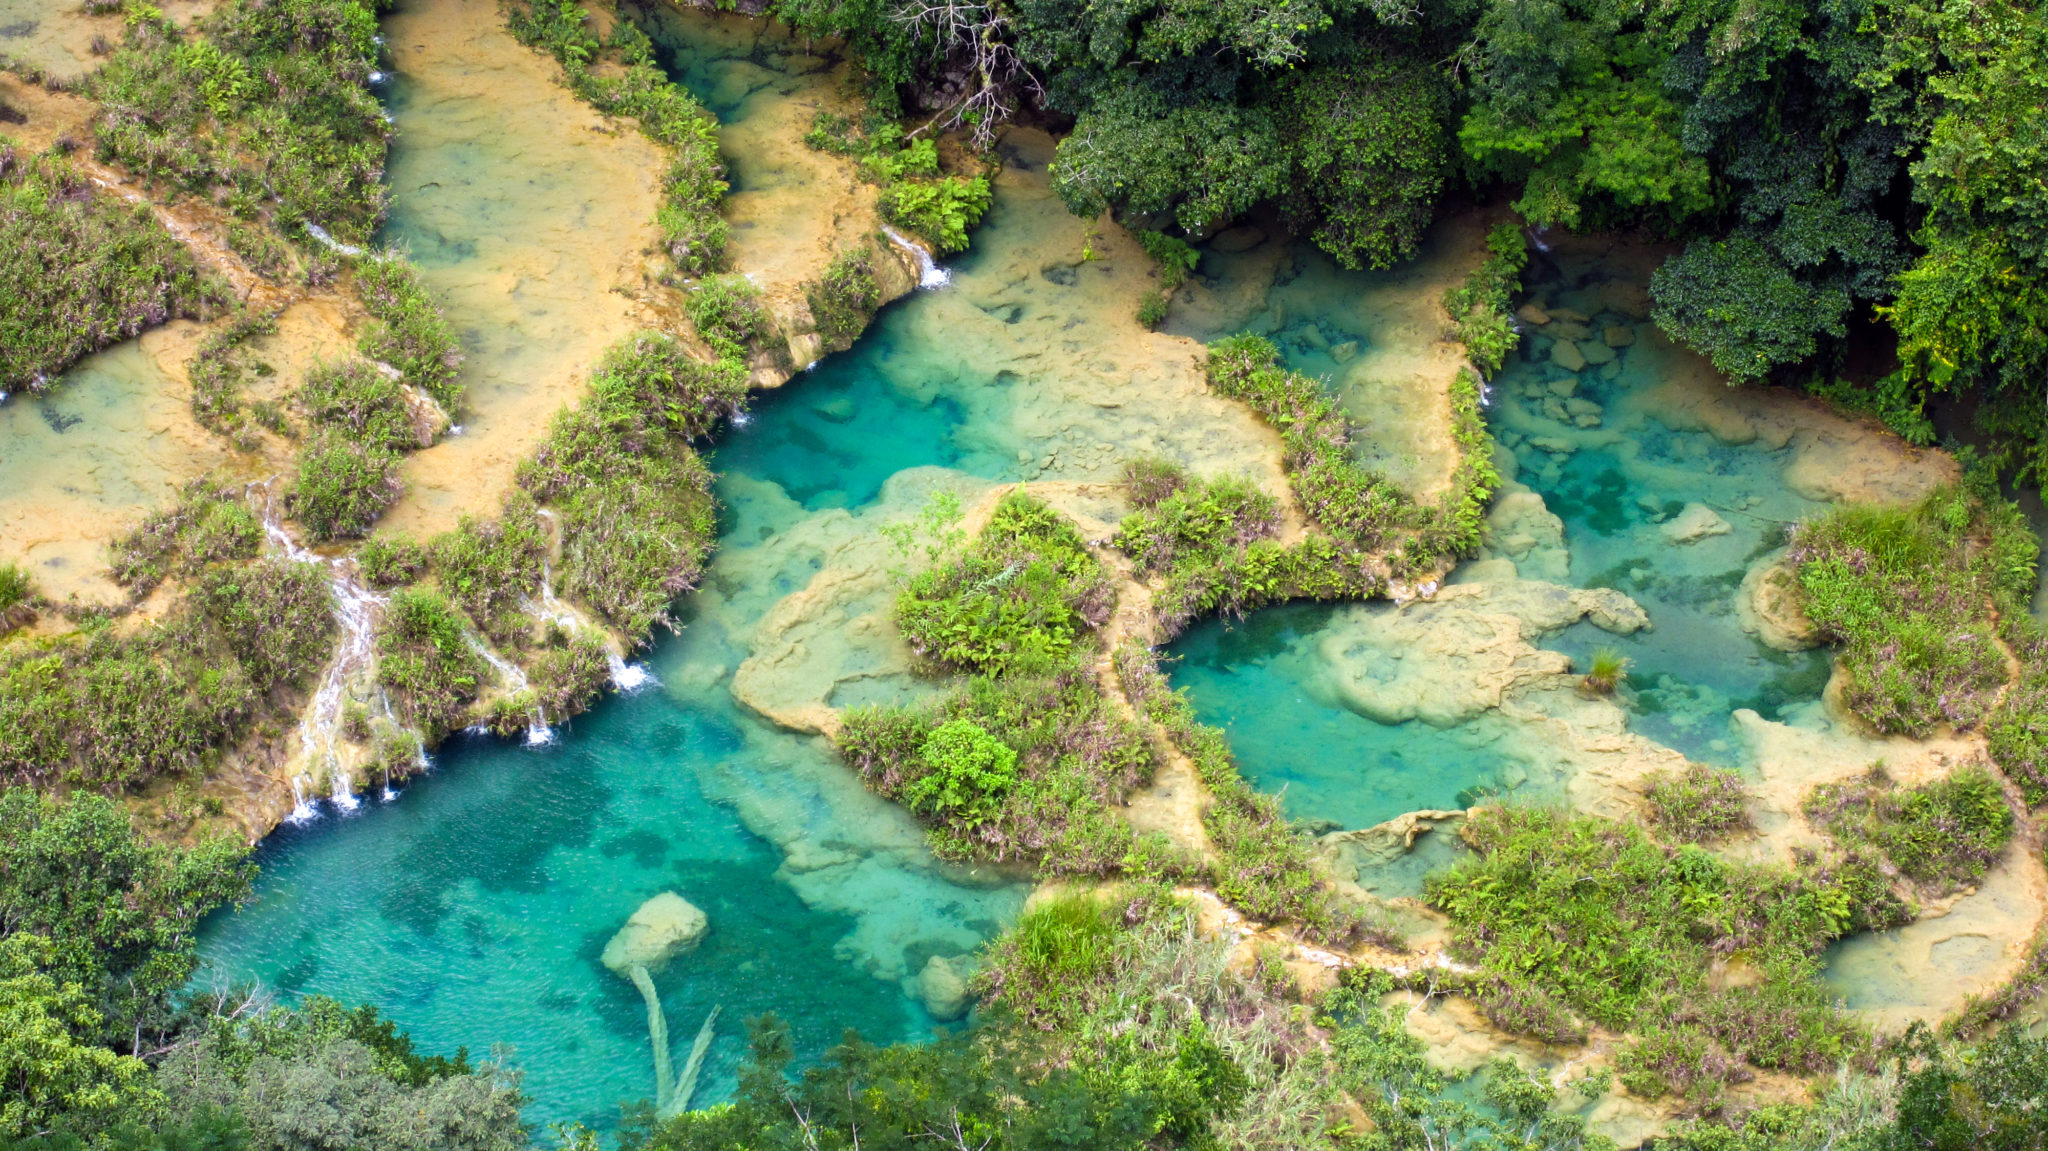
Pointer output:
1613, 485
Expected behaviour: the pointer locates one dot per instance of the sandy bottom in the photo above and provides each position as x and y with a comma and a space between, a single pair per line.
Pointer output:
56, 36
527, 213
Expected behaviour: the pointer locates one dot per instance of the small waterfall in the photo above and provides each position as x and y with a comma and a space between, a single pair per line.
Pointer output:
537, 732
929, 275
355, 610
626, 677
325, 237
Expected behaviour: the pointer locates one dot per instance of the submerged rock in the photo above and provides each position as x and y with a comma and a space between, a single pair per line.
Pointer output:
943, 986
1768, 605
663, 928
1566, 355
1695, 523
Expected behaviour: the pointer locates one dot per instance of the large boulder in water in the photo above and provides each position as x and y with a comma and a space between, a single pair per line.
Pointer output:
943, 985
662, 928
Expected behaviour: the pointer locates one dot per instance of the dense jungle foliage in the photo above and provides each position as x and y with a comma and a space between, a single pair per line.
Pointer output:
1827, 167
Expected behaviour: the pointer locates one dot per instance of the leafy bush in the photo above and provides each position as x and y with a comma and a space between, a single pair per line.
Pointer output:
490, 567
1944, 834
845, 299
18, 596
271, 102
941, 211
409, 332
634, 500
343, 484
1016, 600
424, 656
1019, 767
1908, 592
1060, 945
80, 270
568, 673
728, 315
1479, 306
208, 524
354, 398
970, 771
1574, 918
1698, 804
276, 617
387, 561
1176, 257
1151, 308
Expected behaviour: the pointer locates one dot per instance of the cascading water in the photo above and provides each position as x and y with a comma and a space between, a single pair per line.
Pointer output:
355, 609
537, 731
929, 275
626, 677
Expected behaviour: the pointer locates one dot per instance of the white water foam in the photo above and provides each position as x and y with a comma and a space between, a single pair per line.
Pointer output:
929, 275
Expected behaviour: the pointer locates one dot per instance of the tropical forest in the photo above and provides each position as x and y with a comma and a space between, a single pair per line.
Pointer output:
1023, 575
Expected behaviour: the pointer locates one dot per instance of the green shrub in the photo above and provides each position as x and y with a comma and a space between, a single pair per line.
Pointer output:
1698, 804
1151, 308
1944, 834
568, 673
1017, 599
940, 211
424, 656
1574, 918
354, 398
1060, 945
1908, 592
409, 332
634, 501
17, 596
844, 300
276, 616
80, 270
1479, 306
208, 524
490, 567
968, 774
387, 561
270, 102
1051, 800
728, 314
343, 484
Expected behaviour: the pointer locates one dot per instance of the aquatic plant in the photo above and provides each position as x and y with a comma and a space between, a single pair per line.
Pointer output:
1698, 804
1608, 672
844, 299
79, 270
1017, 600
1908, 592
1945, 834
634, 500
424, 657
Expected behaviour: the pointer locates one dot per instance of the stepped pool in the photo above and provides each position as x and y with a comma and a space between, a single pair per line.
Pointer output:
472, 907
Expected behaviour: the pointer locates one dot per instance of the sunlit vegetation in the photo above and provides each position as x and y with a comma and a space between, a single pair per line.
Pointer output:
266, 106
916, 195
728, 315
1576, 921
634, 500
218, 372
81, 269
1909, 592
491, 567
408, 331
1697, 805
844, 299
1942, 835
426, 658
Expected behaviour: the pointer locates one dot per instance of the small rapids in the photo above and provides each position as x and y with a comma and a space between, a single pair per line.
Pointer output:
355, 609
930, 276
